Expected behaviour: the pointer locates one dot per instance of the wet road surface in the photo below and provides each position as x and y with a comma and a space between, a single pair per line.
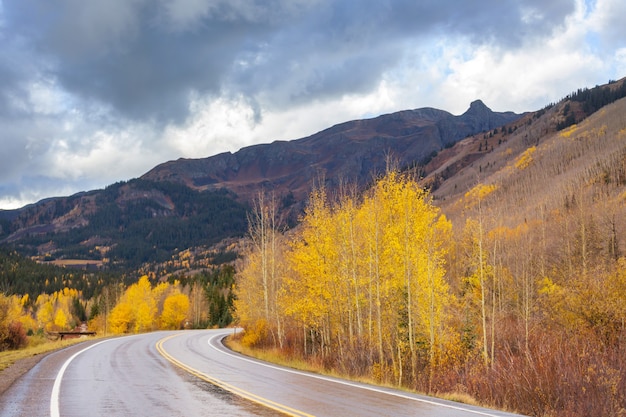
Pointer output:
123, 376
190, 373
299, 393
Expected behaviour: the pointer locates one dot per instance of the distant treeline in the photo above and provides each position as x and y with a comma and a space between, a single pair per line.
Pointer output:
21, 275
591, 100
142, 230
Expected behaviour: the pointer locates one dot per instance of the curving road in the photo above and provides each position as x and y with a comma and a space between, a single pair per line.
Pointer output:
136, 376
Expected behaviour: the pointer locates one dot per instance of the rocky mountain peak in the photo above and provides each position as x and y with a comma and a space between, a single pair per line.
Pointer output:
477, 106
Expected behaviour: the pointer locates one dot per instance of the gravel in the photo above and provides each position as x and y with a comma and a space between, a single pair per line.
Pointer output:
11, 374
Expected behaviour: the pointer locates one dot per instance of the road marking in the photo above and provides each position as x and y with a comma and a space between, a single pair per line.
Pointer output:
228, 387
341, 382
56, 388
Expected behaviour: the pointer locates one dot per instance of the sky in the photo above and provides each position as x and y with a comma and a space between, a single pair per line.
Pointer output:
100, 91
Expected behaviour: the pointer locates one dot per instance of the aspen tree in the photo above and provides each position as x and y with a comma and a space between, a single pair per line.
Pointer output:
136, 311
371, 218
175, 310
198, 306
435, 290
260, 273
349, 242
413, 264
309, 290
476, 228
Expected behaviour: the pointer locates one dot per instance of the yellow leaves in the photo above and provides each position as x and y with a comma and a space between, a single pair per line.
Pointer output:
254, 333
60, 319
45, 313
356, 267
175, 309
526, 158
120, 318
548, 287
566, 133
12, 311
475, 196
137, 310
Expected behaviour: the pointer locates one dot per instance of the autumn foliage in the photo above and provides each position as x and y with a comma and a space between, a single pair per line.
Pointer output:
381, 285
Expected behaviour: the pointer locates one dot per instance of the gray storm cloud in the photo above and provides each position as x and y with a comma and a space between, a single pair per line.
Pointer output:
144, 59
75, 71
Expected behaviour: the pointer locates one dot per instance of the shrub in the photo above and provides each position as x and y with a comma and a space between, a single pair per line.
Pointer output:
13, 336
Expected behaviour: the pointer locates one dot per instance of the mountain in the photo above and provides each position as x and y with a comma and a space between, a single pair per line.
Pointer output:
124, 226
196, 203
353, 151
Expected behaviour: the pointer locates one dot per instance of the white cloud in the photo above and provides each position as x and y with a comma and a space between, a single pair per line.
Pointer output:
607, 19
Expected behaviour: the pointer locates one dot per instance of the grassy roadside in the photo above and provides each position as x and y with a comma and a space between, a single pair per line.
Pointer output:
36, 347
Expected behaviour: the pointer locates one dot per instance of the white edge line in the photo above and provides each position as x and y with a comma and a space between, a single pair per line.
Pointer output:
56, 388
337, 381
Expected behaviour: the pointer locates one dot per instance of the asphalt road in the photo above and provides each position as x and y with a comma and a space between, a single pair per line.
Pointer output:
191, 373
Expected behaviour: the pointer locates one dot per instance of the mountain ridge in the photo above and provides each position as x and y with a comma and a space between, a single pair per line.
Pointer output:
350, 150
152, 214
195, 203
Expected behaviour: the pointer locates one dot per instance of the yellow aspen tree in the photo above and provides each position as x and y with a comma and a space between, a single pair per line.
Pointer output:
368, 218
161, 291
60, 319
136, 310
119, 319
62, 302
354, 265
141, 299
45, 312
248, 304
474, 199
307, 296
25, 314
434, 298
198, 306
13, 310
411, 238
175, 310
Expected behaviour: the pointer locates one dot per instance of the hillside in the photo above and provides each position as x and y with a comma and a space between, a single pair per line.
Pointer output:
196, 203
188, 204
543, 157
507, 283
125, 225
353, 151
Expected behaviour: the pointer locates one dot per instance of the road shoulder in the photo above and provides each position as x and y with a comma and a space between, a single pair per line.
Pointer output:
20, 367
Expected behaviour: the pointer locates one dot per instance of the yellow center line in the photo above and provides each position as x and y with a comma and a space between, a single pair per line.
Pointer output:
228, 387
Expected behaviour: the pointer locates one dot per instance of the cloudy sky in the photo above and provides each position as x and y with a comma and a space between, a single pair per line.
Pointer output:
94, 92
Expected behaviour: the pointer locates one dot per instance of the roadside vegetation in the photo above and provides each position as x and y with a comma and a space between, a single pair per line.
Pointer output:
30, 326
516, 297
36, 346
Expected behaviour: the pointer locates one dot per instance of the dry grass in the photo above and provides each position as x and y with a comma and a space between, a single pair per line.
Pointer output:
272, 355
37, 346
460, 397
